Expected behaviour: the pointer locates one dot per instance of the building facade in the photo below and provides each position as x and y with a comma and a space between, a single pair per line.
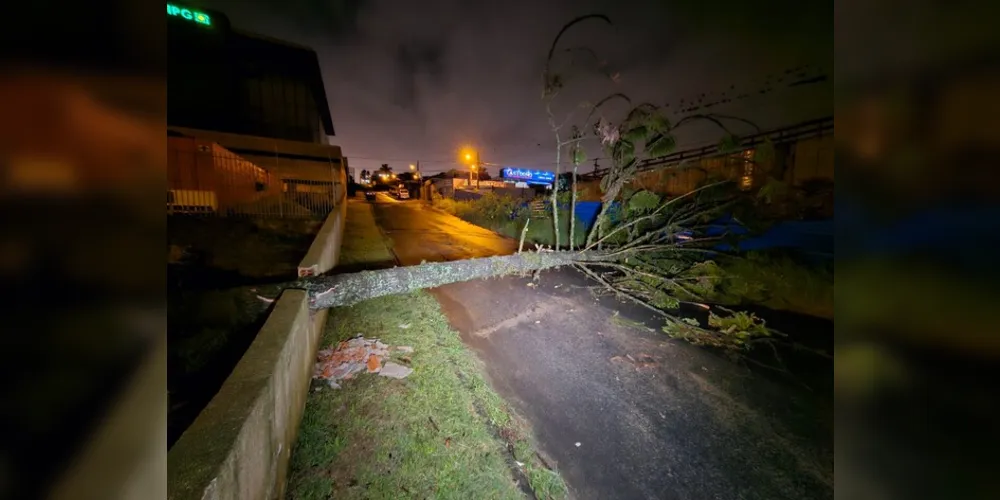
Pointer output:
241, 97
226, 80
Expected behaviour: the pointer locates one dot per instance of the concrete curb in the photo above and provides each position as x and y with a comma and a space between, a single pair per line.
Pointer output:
386, 240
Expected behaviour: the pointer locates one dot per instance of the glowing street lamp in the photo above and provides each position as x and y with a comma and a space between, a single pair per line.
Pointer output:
472, 158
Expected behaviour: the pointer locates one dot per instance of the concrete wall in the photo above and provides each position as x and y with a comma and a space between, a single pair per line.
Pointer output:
239, 446
325, 249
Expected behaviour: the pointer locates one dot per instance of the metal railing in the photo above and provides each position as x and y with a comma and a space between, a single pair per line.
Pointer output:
210, 180
805, 130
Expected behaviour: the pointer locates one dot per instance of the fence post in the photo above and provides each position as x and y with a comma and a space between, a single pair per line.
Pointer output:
281, 187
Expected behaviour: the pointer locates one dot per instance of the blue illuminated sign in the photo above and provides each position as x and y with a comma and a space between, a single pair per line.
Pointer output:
529, 176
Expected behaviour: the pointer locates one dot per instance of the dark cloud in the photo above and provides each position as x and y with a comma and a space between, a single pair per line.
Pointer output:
414, 59
332, 19
417, 80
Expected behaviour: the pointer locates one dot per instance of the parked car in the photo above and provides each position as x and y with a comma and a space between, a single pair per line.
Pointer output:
369, 195
402, 193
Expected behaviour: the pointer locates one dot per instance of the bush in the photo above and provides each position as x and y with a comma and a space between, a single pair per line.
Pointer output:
734, 331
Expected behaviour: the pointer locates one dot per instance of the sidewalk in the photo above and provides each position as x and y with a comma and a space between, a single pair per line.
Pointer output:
364, 247
620, 409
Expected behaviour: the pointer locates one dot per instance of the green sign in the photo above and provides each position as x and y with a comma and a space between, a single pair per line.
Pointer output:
189, 14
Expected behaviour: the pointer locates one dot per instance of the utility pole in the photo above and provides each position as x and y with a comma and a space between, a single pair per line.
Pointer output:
479, 165
418, 179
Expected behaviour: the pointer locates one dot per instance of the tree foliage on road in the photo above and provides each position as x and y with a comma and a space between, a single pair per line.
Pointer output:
643, 247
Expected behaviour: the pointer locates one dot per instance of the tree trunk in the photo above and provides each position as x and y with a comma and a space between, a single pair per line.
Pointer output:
555, 184
347, 289
555, 192
572, 206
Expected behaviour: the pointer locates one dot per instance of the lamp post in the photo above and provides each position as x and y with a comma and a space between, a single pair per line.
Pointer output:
473, 167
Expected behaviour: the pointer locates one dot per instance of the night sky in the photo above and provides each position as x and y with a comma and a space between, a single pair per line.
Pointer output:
417, 80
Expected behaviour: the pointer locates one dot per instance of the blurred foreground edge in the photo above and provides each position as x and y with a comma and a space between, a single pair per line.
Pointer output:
82, 175
83, 355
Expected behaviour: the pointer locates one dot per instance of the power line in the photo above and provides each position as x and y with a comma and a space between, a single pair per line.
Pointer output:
452, 163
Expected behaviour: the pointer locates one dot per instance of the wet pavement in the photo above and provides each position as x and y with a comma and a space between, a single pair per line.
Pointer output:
621, 410
421, 233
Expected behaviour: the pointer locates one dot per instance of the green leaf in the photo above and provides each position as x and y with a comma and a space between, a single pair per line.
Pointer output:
623, 152
636, 134
663, 301
660, 145
605, 180
643, 201
638, 116
579, 155
659, 123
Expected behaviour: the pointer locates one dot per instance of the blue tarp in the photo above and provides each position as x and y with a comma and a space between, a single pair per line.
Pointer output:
586, 213
809, 237
812, 237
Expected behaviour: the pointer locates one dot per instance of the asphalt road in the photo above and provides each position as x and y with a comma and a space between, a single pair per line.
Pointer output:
617, 407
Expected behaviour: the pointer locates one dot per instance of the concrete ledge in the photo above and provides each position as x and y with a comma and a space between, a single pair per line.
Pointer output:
240, 444
325, 249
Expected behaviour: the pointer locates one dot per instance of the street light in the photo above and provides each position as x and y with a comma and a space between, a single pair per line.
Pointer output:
472, 157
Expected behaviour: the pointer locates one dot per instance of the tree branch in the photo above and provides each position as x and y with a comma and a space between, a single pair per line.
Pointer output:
655, 212
567, 26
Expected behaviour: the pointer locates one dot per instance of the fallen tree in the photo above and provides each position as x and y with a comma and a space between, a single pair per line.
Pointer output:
643, 247
347, 289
